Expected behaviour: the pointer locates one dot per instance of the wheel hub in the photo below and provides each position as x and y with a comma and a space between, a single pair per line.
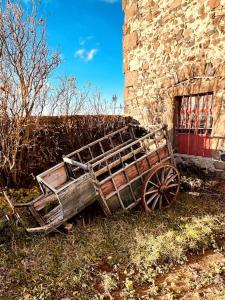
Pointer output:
163, 188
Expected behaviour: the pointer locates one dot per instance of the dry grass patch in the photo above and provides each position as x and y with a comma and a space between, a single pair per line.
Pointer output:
117, 258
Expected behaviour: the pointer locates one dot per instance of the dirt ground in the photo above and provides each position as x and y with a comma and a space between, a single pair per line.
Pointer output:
202, 277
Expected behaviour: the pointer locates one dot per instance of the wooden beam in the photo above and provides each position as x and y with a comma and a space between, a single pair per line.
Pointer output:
106, 153
75, 163
149, 135
97, 141
131, 181
118, 161
163, 148
46, 184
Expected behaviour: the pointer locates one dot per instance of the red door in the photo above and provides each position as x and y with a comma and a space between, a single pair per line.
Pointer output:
194, 125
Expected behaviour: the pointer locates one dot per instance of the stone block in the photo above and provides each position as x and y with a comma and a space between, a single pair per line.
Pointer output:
219, 165
145, 66
130, 12
131, 78
213, 3
124, 4
130, 41
175, 4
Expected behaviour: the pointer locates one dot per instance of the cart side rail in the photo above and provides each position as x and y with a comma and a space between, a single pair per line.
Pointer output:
103, 146
137, 141
98, 141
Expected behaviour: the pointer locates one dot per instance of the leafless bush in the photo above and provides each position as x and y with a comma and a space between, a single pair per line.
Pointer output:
25, 89
66, 98
25, 64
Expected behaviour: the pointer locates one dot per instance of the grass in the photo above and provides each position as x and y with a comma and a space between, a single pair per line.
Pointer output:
121, 257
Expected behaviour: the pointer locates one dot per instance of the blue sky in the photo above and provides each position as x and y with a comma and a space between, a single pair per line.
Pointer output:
88, 33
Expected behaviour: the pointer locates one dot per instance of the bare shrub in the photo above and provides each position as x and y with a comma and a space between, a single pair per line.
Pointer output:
66, 98
25, 65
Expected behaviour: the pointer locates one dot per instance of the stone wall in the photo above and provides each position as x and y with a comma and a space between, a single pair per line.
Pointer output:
173, 48
54, 137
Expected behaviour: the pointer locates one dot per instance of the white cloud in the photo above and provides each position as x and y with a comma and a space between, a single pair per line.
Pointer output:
80, 53
110, 1
86, 55
91, 54
84, 40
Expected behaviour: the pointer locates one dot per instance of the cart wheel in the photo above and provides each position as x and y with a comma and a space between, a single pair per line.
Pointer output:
160, 187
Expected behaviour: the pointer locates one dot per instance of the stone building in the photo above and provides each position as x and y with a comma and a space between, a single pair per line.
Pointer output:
174, 66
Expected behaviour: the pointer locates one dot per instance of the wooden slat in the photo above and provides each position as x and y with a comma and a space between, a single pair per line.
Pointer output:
105, 154
43, 201
118, 161
54, 178
75, 163
120, 178
53, 214
77, 195
149, 135
166, 159
99, 140
146, 155
131, 171
37, 216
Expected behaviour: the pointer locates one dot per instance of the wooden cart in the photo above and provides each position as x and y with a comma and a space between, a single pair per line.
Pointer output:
120, 170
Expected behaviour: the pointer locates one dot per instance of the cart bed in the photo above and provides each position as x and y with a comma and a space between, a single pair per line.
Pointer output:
111, 170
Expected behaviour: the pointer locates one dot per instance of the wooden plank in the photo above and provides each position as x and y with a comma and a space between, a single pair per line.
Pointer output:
131, 171
132, 163
118, 161
99, 140
133, 180
120, 178
53, 214
106, 153
143, 165
54, 177
77, 195
108, 187
47, 186
37, 216
149, 135
44, 200
75, 163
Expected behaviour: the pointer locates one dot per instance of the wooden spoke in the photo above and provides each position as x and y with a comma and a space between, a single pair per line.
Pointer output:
152, 197
152, 183
174, 194
167, 199
151, 192
163, 175
169, 173
172, 178
160, 202
160, 187
157, 177
172, 185
155, 202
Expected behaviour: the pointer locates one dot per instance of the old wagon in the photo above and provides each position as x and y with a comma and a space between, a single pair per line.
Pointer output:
119, 170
